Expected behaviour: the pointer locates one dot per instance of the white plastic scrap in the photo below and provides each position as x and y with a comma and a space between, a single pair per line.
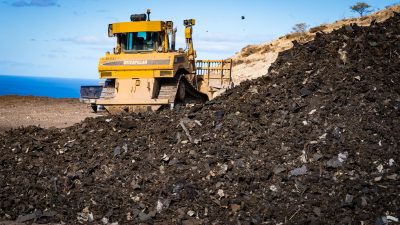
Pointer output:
303, 157
312, 112
191, 213
108, 120
322, 136
391, 162
104, 220
343, 156
221, 193
273, 188
159, 206
165, 158
223, 169
380, 168
392, 218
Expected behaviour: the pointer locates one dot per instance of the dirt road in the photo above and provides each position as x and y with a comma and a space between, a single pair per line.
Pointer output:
17, 111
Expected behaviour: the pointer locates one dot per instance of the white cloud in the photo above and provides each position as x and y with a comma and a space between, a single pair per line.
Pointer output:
89, 40
34, 3
222, 45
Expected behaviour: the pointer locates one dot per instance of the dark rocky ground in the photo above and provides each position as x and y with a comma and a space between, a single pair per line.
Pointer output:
315, 142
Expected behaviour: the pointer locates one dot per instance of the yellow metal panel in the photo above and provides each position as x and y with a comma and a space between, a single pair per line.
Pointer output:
136, 74
126, 27
188, 32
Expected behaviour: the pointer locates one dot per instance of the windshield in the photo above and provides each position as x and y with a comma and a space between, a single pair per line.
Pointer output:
140, 41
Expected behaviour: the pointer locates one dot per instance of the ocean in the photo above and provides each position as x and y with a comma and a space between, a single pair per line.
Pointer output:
43, 86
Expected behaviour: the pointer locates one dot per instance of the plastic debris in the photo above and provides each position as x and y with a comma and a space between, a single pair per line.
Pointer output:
380, 168
299, 171
312, 112
191, 213
334, 162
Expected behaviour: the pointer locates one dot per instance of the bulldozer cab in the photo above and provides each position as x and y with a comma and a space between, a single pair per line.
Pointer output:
134, 42
142, 35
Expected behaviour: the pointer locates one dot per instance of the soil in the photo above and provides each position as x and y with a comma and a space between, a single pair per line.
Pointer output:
253, 61
17, 111
315, 142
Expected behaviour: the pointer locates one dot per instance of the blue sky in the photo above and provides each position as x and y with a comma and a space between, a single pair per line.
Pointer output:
65, 38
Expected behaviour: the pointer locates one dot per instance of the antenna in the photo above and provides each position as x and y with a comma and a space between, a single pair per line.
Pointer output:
148, 14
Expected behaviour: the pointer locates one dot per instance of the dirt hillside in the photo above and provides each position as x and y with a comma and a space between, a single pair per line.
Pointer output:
316, 142
254, 60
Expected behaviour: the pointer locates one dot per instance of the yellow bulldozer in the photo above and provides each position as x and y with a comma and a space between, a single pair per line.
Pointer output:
146, 72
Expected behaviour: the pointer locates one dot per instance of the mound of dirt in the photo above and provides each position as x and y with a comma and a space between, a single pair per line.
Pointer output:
316, 142
253, 61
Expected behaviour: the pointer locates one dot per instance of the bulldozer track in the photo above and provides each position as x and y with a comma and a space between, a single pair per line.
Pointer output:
172, 90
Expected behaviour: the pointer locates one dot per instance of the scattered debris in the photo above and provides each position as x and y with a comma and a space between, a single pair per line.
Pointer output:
299, 171
238, 170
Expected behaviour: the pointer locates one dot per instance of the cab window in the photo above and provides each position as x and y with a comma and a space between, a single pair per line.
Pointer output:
139, 41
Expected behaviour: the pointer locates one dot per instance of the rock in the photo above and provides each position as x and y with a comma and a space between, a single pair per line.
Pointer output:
317, 211
337, 134
235, 208
279, 169
85, 216
223, 169
135, 185
28, 217
348, 199
380, 168
104, 220
221, 193
304, 92
125, 147
192, 222
381, 221
317, 156
219, 114
391, 162
273, 188
144, 217
299, 171
129, 125
174, 161
392, 177
364, 202
117, 151
373, 43
334, 162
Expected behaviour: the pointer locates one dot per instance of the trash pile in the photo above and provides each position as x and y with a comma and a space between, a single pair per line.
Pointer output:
314, 142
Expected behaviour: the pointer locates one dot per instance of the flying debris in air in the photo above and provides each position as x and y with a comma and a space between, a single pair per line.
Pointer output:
243, 17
